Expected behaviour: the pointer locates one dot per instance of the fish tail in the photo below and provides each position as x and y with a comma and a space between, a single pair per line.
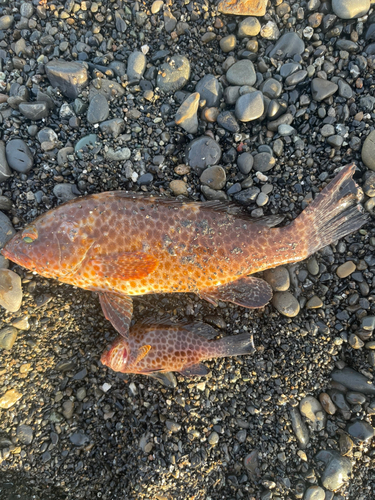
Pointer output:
335, 212
234, 346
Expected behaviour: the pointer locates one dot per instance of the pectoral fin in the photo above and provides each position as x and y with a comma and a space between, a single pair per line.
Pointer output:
197, 370
118, 310
125, 266
142, 351
247, 292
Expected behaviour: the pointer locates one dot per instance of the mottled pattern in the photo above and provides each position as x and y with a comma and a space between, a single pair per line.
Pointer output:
165, 348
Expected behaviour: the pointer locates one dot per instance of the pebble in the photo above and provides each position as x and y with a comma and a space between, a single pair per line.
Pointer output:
79, 438
5, 171
299, 428
249, 27
65, 192
327, 403
98, 109
34, 110
368, 323
122, 154
68, 408
69, 76
245, 162
114, 127
313, 411
214, 177
174, 74
350, 9
186, 116
286, 304
243, 7
249, 107
213, 438
8, 336
202, 152
6, 229
345, 444
6, 22
19, 156
337, 469
278, 278
368, 151
227, 120
314, 303
353, 380
287, 46
178, 187
86, 144
228, 43
271, 88
361, 430
241, 73
173, 426
136, 66
346, 269
10, 290
263, 162
9, 398
314, 493
322, 89
270, 31
25, 434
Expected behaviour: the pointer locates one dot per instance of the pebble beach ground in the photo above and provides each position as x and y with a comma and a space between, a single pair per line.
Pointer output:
182, 99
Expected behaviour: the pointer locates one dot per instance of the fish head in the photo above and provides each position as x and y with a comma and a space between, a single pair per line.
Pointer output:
54, 245
117, 356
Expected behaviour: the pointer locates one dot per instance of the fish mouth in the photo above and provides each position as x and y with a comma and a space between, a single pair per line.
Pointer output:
19, 258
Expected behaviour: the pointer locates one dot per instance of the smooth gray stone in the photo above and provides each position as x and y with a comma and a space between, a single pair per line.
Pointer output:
210, 90
353, 380
118, 67
113, 127
271, 88
245, 162
350, 9
345, 89
121, 154
174, 74
241, 73
321, 89
84, 144
79, 438
227, 120
19, 156
337, 470
276, 108
64, 192
70, 77
347, 45
202, 152
361, 430
231, 94
98, 110
295, 78
214, 177
46, 134
288, 69
136, 66
246, 196
299, 428
6, 22
34, 110
289, 45
5, 171
263, 162
249, 106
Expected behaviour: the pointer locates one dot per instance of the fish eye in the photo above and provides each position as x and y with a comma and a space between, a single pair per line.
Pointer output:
30, 234
27, 239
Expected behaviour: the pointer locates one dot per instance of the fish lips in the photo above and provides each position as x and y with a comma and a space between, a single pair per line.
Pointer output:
18, 257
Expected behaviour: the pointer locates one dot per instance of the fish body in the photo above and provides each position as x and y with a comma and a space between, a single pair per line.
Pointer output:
121, 244
158, 348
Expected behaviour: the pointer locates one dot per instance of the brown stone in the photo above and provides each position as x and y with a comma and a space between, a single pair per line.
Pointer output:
243, 7
9, 398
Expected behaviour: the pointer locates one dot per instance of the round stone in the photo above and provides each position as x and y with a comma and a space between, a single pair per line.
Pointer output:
34, 110
346, 269
322, 89
214, 177
241, 73
264, 162
64, 192
271, 88
350, 9
98, 110
202, 152
6, 22
249, 106
70, 77
174, 74
178, 187
227, 121
245, 162
368, 151
314, 303
210, 90
10, 290
286, 304
314, 493
136, 66
249, 27
19, 156
228, 43
287, 46
278, 278
25, 434
213, 438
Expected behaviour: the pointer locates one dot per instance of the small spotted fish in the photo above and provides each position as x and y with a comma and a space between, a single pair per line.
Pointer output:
152, 349
122, 244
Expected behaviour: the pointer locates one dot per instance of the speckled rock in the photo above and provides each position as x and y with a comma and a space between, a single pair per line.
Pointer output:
278, 278
173, 74
243, 7
286, 304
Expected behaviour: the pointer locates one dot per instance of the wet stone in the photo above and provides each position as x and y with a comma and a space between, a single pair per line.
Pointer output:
245, 162
249, 107
10, 290
25, 434
327, 403
313, 411
8, 337
87, 144
287, 46
227, 120
368, 151
69, 76
136, 66
286, 304
202, 152
98, 109
174, 74
241, 73
186, 116
355, 398
296, 78
314, 303
210, 90
361, 430
271, 88
263, 162
299, 428
278, 278
353, 380
337, 469
214, 177
321, 89
19, 156
34, 110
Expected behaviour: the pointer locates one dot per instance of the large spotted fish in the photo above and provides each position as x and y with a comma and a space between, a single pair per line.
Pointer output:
154, 349
120, 244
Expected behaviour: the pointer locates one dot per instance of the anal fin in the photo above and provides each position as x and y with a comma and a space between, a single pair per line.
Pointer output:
197, 370
247, 292
118, 310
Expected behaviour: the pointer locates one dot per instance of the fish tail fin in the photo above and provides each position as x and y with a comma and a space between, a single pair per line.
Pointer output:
234, 345
335, 212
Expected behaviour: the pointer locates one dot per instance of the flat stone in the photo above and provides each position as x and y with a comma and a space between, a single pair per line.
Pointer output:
353, 380
174, 74
8, 336
286, 304
350, 9
337, 469
241, 73
136, 66
10, 398
65, 192
111, 89
202, 152
263, 162
346, 269
368, 323
214, 177
186, 116
327, 403
249, 27
87, 144
321, 89
271, 88
98, 109
287, 46
19, 156
299, 428
313, 411
314, 303
278, 278
368, 151
122, 154
5, 171
70, 77
249, 107
210, 90
296, 78
25, 434
361, 430
10, 290
314, 493
227, 121
34, 110
114, 127
243, 7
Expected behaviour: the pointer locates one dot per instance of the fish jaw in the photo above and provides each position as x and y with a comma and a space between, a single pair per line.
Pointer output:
117, 356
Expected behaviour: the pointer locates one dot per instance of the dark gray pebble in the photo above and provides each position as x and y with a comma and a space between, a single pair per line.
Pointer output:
69, 76
202, 152
210, 90
34, 110
353, 380
19, 156
361, 430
